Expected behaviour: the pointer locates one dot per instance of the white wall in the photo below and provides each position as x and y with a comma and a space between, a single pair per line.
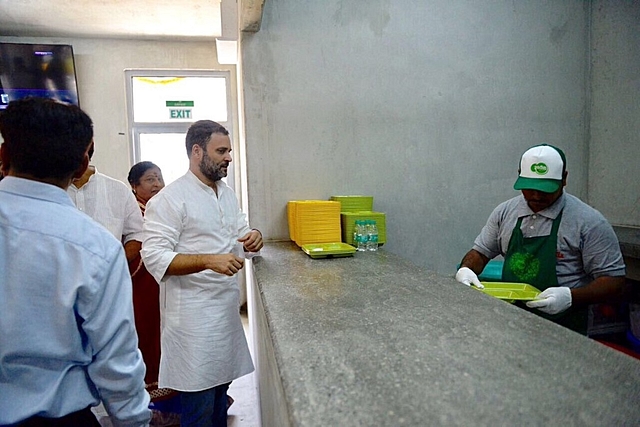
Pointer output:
425, 104
614, 166
100, 65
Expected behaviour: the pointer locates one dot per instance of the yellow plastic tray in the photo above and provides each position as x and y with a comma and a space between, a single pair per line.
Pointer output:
328, 250
510, 292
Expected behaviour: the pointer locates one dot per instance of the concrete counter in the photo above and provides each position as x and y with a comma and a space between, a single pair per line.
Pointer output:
373, 340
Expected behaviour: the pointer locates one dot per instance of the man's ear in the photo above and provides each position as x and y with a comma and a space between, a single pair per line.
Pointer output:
91, 149
197, 152
83, 167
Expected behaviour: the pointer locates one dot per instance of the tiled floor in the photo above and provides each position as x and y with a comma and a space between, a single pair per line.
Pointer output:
245, 411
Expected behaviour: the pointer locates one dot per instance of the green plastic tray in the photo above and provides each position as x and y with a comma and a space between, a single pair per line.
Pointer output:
328, 250
510, 292
354, 203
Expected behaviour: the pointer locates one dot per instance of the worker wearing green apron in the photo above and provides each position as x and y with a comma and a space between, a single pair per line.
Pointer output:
533, 260
552, 241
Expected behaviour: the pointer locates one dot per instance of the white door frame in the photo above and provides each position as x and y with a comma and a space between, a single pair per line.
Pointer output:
136, 128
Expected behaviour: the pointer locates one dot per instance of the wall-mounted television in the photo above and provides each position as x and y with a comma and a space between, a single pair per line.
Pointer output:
43, 70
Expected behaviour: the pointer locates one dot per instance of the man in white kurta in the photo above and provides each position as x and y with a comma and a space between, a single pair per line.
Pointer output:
194, 239
112, 204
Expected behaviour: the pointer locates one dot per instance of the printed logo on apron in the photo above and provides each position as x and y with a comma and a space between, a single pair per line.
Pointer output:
524, 266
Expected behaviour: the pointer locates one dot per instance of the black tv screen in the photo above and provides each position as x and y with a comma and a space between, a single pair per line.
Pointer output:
42, 70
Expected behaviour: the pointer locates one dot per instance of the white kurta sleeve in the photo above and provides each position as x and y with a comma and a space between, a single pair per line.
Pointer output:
242, 224
162, 228
132, 227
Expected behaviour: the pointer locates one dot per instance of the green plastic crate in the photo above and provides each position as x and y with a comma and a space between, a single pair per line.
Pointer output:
348, 223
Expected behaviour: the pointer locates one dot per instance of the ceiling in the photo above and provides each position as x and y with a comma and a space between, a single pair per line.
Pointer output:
131, 19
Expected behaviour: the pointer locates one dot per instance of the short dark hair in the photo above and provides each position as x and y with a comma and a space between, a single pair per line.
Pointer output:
200, 132
45, 138
137, 170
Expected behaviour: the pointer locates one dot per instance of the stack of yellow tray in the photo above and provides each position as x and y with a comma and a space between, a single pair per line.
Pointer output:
314, 221
348, 221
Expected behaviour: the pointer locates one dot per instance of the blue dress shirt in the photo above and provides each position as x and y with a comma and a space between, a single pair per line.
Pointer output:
67, 334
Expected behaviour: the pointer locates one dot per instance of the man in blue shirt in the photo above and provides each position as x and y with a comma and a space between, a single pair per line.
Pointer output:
67, 335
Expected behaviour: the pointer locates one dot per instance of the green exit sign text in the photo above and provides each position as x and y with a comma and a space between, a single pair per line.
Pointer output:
180, 113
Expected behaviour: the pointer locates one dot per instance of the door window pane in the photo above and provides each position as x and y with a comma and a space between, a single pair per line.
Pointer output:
168, 151
179, 99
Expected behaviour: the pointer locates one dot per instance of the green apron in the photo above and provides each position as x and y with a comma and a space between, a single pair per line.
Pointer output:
533, 260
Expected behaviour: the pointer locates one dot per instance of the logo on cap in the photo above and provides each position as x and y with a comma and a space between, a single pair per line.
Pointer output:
539, 168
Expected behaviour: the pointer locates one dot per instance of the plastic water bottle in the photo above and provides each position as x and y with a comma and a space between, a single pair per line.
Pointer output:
372, 236
360, 236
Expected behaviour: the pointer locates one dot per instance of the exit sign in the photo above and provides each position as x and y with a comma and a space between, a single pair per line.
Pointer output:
179, 103
181, 113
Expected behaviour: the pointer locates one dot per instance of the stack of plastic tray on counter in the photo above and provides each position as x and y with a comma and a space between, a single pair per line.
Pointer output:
354, 203
314, 225
355, 208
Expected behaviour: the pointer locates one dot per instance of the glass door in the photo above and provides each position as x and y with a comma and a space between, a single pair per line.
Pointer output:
161, 107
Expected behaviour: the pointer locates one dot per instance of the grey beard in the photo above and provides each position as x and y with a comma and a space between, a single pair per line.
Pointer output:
214, 173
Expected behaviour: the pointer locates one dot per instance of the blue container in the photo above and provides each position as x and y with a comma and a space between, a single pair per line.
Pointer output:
492, 271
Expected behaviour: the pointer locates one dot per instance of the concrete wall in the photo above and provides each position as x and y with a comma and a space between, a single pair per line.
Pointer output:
425, 104
614, 161
100, 65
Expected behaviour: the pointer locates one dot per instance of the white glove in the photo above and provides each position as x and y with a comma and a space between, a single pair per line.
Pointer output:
552, 300
466, 276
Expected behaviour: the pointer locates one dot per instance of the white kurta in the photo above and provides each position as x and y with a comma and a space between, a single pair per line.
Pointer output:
111, 203
203, 342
